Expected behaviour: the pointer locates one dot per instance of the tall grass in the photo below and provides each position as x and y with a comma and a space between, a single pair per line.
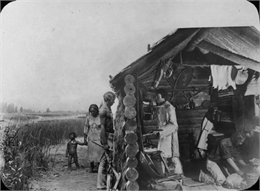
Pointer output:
27, 149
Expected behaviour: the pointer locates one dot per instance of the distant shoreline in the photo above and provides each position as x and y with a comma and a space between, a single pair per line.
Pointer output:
20, 119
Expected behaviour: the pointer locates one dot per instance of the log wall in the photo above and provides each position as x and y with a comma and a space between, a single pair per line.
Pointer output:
189, 121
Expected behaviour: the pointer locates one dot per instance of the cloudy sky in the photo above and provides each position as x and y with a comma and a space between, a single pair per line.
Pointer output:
59, 54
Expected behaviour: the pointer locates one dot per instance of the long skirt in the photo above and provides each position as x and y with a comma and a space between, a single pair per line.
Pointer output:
94, 151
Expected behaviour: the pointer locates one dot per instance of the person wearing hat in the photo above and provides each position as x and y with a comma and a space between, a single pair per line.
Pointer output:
106, 138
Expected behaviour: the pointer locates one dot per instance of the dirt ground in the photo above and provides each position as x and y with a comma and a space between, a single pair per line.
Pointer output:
60, 179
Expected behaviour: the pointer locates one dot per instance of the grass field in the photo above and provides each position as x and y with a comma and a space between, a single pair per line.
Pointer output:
27, 148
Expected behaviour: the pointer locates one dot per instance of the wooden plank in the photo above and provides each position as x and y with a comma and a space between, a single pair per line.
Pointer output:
190, 113
197, 82
188, 130
195, 120
196, 39
197, 59
153, 122
190, 126
185, 110
241, 60
239, 40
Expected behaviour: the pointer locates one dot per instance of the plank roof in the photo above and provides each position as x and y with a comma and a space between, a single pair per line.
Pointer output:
237, 45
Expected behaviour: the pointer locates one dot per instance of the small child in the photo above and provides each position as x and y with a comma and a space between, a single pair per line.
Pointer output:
71, 151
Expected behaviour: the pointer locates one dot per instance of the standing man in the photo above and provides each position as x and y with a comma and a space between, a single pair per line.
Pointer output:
168, 141
106, 139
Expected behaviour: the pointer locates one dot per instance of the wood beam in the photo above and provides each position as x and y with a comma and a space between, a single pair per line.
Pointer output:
241, 60
201, 35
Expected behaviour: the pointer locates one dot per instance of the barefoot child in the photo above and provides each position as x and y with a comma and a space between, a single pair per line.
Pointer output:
71, 151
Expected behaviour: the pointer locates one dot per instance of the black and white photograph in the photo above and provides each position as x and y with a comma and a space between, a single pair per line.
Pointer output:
129, 95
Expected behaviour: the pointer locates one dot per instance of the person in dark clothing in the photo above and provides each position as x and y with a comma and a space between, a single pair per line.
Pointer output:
228, 151
225, 158
71, 151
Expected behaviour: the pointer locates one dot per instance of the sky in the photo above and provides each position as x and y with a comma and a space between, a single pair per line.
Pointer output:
59, 54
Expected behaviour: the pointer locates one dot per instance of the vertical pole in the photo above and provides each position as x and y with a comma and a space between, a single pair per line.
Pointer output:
131, 138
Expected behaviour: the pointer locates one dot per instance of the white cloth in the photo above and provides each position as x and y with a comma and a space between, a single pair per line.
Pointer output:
92, 129
168, 141
241, 76
253, 88
222, 77
234, 181
205, 128
216, 173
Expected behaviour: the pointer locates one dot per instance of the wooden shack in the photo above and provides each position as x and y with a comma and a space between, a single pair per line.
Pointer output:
181, 64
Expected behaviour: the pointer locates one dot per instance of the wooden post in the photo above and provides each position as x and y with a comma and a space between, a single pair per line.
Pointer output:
130, 138
118, 142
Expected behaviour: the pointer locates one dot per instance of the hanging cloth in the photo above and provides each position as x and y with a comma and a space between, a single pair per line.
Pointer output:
253, 88
222, 77
241, 74
206, 128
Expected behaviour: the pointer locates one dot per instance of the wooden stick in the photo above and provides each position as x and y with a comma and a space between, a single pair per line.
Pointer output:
165, 163
138, 116
174, 177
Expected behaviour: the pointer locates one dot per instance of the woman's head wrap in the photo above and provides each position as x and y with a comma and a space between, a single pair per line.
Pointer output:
93, 106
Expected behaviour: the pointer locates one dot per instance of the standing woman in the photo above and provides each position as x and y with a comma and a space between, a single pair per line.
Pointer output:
92, 131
